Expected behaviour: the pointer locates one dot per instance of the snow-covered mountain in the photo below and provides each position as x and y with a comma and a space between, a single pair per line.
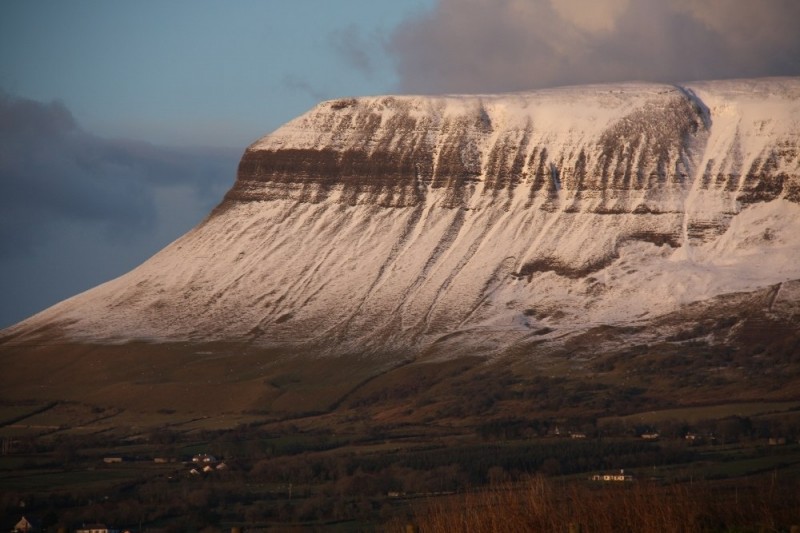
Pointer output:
400, 223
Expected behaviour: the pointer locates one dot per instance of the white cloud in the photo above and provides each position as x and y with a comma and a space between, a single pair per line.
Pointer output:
506, 45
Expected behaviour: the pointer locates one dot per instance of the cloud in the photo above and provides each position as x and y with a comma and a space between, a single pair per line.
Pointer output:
294, 83
356, 49
77, 209
54, 173
590, 16
507, 45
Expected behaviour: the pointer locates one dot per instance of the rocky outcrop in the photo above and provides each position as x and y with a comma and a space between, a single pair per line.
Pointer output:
400, 223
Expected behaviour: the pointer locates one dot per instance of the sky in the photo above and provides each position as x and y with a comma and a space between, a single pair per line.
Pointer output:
121, 123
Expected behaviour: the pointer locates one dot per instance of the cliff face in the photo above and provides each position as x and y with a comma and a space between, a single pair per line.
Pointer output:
393, 151
396, 223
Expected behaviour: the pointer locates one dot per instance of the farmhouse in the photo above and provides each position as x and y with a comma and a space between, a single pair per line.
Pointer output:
25, 526
621, 476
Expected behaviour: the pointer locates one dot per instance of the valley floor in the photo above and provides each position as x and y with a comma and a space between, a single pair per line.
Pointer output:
713, 468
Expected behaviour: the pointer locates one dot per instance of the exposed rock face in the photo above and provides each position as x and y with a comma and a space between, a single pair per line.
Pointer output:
396, 151
400, 223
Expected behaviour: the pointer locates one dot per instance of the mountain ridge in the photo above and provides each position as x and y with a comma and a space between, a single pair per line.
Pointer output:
399, 224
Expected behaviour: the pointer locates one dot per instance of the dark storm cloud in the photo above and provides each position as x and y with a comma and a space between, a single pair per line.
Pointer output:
506, 45
53, 174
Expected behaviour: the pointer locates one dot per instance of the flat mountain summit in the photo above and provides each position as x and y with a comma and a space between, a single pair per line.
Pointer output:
400, 227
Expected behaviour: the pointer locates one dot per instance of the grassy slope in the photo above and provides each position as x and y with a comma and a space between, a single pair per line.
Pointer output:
729, 350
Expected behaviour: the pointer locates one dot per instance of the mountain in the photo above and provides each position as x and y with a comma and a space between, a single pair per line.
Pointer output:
399, 227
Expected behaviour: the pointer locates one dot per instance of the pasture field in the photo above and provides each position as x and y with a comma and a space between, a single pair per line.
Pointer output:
353, 470
707, 412
359, 443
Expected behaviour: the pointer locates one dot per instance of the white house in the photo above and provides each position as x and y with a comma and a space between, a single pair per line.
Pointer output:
24, 526
622, 476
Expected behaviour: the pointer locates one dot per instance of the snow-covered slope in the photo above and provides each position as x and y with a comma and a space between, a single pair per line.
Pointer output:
387, 224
